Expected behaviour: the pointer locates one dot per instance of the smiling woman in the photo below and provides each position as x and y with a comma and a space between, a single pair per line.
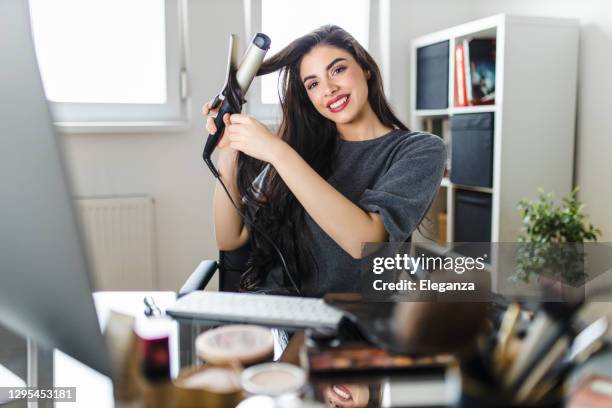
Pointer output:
344, 170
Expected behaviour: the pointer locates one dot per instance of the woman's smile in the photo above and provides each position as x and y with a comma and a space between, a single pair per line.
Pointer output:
338, 103
342, 392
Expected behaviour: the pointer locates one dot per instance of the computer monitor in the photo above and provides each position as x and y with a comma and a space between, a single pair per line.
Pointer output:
45, 285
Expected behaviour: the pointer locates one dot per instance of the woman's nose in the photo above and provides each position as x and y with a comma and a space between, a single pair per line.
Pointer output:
330, 88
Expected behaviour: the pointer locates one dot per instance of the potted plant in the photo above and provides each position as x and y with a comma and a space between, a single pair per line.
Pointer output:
552, 237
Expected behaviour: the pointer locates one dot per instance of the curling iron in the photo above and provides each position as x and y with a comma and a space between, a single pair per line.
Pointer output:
238, 78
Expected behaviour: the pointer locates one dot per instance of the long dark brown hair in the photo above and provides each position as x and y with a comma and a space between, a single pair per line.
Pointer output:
313, 137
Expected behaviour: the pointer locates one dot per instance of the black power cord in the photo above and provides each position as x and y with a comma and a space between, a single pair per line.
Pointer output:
215, 172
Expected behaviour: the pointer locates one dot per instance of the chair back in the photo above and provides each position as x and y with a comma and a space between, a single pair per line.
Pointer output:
232, 265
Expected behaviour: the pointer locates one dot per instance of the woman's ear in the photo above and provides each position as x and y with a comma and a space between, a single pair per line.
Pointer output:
368, 74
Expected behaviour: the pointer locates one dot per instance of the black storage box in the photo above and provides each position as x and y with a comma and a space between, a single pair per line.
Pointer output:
432, 76
472, 216
472, 149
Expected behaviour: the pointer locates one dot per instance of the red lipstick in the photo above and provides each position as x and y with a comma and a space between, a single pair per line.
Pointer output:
338, 103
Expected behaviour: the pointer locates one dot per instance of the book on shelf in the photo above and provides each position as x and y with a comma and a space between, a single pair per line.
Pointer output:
469, 96
475, 72
460, 85
482, 69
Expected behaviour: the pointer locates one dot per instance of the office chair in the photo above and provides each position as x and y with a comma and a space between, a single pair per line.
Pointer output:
231, 265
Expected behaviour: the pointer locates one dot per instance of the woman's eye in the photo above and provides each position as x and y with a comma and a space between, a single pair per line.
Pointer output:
339, 70
311, 85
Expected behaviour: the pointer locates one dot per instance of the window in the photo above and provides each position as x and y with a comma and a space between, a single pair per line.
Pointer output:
113, 61
284, 21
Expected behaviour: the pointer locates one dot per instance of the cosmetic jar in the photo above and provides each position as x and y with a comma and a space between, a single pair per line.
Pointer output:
245, 344
273, 379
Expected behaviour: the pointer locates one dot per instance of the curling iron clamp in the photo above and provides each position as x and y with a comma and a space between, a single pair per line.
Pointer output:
238, 78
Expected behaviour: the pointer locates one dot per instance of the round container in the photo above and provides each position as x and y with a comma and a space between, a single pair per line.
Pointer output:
273, 379
154, 347
245, 344
210, 386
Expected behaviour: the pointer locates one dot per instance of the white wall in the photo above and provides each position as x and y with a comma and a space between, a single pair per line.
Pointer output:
168, 165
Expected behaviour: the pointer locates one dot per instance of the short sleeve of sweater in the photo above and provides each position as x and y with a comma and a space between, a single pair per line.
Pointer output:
403, 193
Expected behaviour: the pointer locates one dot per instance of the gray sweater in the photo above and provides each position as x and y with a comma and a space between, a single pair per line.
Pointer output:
395, 175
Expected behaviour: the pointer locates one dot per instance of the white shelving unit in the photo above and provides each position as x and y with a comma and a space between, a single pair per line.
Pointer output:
534, 113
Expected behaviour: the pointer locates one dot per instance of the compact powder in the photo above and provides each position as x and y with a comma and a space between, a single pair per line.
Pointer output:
246, 344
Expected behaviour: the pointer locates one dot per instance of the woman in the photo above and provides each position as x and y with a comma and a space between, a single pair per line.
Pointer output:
344, 170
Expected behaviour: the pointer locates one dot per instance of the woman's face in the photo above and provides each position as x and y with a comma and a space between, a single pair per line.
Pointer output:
335, 83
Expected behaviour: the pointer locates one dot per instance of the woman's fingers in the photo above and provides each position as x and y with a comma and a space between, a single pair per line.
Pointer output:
240, 118
206, 108
223, 142
224, 139
210, 125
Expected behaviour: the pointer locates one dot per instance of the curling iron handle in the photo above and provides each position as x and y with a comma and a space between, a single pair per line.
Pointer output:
214, 138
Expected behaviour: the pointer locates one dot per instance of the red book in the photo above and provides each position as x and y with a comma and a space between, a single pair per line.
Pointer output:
467, 72
460, 86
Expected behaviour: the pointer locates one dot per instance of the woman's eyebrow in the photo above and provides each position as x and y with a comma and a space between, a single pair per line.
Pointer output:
331, 64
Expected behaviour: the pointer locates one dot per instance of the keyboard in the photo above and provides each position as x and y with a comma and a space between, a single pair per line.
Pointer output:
265, 310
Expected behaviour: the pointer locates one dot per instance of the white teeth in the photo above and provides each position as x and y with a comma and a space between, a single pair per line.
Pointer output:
338, 102
341, 393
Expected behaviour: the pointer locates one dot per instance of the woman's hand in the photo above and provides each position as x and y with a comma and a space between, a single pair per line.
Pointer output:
210, 123
251, 137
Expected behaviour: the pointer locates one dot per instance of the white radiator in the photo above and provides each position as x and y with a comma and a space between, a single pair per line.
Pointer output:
120, 239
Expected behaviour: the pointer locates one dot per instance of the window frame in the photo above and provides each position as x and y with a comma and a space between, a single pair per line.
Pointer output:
83, 117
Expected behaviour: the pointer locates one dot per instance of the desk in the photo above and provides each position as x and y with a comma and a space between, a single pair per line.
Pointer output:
95, 390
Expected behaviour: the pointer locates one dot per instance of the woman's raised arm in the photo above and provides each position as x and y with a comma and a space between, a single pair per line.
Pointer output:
230, 231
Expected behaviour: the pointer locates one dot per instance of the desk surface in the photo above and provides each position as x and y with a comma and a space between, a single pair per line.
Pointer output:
95, 390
